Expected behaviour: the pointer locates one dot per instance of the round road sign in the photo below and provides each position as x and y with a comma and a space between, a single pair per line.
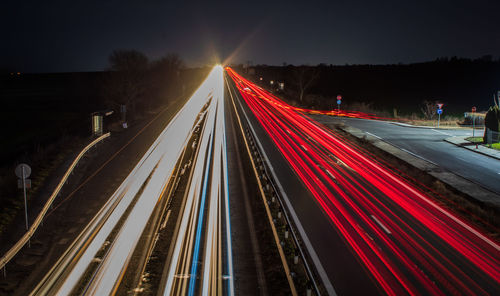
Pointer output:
339, 97
473, 109
439, 111
19, 171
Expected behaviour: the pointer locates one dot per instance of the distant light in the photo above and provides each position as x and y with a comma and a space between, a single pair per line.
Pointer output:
260, 79
18, 73
272, 82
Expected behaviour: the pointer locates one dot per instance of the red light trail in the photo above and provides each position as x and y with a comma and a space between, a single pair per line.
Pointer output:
408, 243
273, 100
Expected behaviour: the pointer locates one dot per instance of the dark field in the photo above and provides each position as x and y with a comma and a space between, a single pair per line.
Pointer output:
38, 109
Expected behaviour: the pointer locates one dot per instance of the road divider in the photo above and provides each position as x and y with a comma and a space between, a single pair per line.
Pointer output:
270, 194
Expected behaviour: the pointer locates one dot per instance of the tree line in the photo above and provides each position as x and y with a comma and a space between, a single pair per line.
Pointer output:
140, 84
459, 83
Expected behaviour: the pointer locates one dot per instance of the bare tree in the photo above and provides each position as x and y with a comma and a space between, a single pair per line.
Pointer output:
165, 77
127, 79
303, 78
168, 67
428, 108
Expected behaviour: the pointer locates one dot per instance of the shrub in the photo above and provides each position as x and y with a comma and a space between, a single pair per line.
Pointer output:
492, 122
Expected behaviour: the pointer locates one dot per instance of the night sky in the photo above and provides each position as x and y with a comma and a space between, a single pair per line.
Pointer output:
60, 36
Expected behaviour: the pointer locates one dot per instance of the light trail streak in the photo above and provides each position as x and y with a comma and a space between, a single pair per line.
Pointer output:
278, 103
206, 208
138, 194
427, 250
229, 248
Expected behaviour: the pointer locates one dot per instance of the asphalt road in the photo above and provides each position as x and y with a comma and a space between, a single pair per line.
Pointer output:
257, 267
340, 268
369, 231
429, 144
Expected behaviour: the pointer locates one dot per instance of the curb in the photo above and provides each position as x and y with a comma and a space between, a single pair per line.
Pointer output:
461, 142
430, 127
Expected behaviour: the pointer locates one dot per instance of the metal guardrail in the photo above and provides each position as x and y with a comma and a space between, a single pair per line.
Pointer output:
19, 245
289, 222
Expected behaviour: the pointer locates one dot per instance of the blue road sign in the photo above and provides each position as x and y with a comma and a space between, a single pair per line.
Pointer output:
338, 102
440, 111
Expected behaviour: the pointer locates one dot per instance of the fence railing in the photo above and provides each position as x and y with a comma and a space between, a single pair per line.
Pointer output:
26, 237
491, 136
270, 177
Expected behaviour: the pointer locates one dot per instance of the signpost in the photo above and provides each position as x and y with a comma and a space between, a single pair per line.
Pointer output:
439, 112
23, 171
339, 100
473, 121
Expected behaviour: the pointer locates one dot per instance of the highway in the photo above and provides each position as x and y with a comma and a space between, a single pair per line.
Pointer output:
366, 229
429, 144
208, 189
97, 260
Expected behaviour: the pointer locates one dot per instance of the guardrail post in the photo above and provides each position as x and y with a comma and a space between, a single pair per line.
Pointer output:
309, 290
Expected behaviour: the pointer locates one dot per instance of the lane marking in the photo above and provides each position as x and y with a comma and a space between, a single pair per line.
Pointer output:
442, 132
305, 239
373, 135
263, 196
418, 156
380, 224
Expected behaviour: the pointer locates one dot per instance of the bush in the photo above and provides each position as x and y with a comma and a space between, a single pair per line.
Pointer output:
492, 123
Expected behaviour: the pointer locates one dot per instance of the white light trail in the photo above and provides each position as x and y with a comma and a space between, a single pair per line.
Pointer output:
210, 166
152, 173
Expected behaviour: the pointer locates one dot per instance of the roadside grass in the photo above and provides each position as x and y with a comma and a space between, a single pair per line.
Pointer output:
479, 140
474, 139
495, 146
446, 121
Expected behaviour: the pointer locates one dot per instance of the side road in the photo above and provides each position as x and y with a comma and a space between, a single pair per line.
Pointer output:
87, 190
457, 182
429, 145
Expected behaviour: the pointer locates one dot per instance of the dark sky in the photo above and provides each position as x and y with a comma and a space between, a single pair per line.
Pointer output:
46, 36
